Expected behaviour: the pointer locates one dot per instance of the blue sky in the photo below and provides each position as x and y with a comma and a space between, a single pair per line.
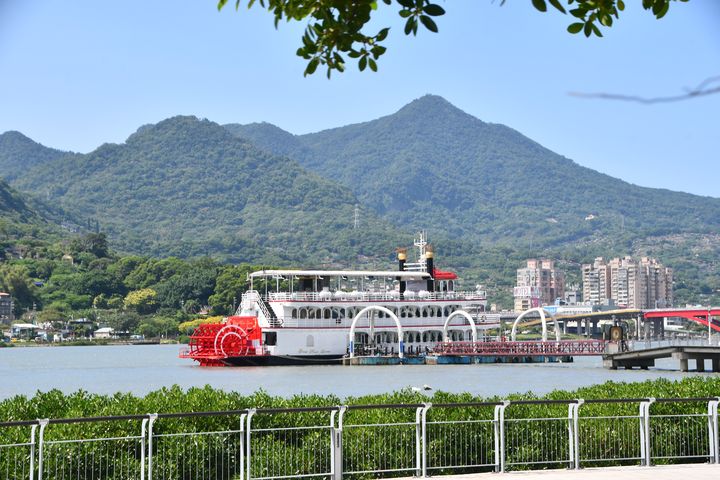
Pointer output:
74, 75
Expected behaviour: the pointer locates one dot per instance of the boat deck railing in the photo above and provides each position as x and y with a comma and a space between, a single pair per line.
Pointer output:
357, 296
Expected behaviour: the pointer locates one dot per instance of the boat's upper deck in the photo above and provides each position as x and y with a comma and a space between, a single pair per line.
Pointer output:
356, 286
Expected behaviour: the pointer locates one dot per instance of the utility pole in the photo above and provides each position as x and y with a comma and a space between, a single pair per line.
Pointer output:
709, 321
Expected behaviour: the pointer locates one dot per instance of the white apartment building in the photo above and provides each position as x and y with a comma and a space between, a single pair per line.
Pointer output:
630, 283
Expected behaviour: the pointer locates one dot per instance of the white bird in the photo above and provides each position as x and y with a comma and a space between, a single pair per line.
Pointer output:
425, 387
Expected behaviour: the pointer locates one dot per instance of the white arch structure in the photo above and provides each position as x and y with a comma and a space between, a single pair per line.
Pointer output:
542, 313
459, 313
401, 343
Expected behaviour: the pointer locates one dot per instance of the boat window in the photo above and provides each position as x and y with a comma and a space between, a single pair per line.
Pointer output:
327, 313
303, 313
293, 313
270, 338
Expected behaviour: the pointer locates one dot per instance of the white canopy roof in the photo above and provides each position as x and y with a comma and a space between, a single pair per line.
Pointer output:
339, 273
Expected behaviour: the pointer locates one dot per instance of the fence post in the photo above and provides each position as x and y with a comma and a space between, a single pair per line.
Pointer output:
645, 443
143, 437
713, 431
43, 422
499, 428
573, 434
151, 421
418, 441
336, 443
32, 451
242, 445
250, 414
423, 418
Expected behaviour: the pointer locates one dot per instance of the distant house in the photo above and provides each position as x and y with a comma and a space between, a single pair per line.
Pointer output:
80, 327
105, 332
24, 331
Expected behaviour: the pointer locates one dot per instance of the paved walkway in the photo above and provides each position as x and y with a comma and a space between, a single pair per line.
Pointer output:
664, 472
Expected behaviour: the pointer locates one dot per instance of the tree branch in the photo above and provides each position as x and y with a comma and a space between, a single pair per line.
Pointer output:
704, 88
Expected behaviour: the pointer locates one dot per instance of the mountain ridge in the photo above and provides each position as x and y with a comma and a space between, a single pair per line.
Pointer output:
469, 177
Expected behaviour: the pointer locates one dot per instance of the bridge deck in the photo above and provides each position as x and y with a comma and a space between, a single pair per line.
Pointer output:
646, 358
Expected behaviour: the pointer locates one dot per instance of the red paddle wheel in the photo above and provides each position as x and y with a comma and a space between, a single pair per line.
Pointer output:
211, 343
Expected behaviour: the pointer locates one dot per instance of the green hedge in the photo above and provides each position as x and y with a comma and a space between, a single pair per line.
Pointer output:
367, 445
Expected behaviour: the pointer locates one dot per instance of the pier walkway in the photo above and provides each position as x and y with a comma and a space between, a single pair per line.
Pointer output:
646, 357
665, 472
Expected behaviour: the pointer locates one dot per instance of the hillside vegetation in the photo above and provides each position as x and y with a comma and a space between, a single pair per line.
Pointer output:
23, 221
488, 197
187, 187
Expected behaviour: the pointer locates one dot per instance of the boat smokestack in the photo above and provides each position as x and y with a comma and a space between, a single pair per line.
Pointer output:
402, 258
430, 267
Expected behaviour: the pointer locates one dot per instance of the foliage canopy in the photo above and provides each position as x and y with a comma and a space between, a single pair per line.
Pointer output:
338, 27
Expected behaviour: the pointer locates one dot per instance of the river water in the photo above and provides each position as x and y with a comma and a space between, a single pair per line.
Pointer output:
140, 369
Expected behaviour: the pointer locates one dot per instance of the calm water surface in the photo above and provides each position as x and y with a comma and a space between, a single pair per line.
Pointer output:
140, 369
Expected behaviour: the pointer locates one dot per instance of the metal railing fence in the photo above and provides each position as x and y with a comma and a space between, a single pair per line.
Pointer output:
364, 441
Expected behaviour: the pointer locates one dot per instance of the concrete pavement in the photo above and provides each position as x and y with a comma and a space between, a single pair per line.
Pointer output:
700, 471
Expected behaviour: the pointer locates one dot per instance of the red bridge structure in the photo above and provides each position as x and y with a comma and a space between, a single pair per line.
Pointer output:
703, 316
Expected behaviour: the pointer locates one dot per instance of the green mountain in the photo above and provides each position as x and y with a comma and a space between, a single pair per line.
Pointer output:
18, 153
431, 165
188, 187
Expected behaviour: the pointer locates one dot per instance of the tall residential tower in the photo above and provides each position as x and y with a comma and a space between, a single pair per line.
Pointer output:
630, 283
539, 283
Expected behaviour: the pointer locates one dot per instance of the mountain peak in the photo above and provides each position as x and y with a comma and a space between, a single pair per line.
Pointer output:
18, 153
433, 105
177, 128
14, 135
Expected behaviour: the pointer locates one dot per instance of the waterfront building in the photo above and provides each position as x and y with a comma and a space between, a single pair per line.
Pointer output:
6, 308
630, 283
24, 331
538, 283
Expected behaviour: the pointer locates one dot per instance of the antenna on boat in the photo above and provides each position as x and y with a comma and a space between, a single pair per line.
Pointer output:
421, 243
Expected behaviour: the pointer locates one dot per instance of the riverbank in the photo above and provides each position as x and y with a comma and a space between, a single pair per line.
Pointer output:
88, 343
